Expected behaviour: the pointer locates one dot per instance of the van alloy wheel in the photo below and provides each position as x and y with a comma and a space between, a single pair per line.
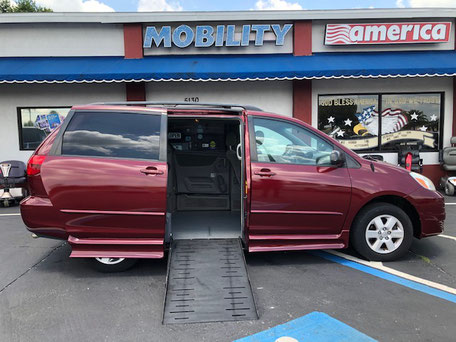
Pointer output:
110, 261
384, 234
109, 265
381, 232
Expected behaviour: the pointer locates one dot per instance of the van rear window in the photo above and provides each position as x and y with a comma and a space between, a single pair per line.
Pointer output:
113, 135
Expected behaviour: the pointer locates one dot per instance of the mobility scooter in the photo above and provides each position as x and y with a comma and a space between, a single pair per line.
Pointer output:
448, 162
409, 156
12, 175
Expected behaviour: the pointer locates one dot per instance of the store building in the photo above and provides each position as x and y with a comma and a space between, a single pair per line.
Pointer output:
336, 70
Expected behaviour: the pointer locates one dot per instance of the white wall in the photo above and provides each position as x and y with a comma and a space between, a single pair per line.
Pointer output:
272, 96
418, 84
36, 95
44, 40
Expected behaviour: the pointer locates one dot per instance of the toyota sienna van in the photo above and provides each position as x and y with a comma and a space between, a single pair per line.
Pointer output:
121, 182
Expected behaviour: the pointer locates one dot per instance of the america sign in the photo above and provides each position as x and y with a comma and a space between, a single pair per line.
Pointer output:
388, 33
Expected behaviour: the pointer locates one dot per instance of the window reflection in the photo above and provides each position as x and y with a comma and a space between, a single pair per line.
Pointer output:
113, 135
281, 142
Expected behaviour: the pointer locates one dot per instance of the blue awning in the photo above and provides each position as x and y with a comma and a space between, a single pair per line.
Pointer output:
227, 67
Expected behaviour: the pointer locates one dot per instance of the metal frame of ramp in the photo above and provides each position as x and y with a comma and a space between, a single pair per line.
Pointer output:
207, 281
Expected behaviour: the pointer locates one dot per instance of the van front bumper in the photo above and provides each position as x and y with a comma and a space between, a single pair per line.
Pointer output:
430, 206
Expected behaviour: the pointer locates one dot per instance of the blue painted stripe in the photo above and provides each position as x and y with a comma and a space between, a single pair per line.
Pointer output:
315, 327
387, 276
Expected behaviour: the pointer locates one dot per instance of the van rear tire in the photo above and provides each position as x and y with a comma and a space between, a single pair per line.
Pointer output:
112, 265
382, 232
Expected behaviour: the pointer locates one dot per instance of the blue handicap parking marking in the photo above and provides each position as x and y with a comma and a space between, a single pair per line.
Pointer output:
314, 327
387, 276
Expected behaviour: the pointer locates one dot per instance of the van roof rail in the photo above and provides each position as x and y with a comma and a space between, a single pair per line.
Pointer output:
179, 104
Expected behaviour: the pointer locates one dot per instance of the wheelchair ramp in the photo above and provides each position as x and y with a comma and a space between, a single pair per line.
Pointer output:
207, 282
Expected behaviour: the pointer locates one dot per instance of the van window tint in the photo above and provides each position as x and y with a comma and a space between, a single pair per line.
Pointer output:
120, 135
281, 142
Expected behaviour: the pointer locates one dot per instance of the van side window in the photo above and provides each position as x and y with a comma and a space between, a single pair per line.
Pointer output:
117, 135
280, 142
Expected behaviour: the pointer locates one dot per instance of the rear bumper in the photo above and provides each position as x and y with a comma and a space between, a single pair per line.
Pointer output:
42, 218
430, 206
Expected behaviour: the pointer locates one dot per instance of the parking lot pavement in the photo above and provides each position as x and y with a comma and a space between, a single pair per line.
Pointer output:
18, 251
45, 296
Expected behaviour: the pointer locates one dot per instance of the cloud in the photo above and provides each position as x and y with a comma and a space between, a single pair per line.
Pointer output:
109, 144
277, 5
75, 5
427, 3
400, 3
158, 5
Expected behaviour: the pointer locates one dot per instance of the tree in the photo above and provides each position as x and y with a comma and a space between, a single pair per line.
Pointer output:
21, 6
5, 6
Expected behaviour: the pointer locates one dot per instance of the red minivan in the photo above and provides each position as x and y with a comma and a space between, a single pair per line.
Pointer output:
120, 182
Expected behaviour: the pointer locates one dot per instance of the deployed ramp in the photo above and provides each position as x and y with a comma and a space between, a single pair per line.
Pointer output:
208, 282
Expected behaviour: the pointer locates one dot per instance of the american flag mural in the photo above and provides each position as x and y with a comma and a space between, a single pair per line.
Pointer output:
395, 114
392, 120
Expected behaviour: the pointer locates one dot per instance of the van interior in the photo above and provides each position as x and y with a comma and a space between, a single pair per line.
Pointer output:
204, 178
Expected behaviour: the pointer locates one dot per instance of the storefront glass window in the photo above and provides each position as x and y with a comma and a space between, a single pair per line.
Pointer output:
36, 123
412, 119
339, 117
354, 120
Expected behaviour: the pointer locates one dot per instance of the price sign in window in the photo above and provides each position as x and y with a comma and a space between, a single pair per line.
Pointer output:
35, 124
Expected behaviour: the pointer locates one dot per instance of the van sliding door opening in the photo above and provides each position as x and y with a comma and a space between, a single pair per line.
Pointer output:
204, 179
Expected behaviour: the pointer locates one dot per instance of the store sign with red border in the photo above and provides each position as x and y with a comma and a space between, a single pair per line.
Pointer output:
387, 33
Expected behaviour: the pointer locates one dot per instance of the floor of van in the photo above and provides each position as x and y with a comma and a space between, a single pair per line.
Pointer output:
206, 224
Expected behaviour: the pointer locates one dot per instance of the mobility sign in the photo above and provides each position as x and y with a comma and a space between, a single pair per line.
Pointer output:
204, 36
387, 33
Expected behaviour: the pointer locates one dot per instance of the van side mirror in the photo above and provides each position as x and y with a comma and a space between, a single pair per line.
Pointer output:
337, 158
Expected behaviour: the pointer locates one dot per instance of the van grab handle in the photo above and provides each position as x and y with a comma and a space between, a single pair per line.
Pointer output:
238, 151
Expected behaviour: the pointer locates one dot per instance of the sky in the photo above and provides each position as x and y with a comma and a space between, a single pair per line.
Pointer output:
218, 5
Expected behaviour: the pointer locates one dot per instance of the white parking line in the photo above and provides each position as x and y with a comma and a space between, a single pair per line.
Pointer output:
448, 237
379, 265
450, 203
15, 214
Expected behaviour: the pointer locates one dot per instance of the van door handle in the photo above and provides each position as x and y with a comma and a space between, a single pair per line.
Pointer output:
264, 173
151, 170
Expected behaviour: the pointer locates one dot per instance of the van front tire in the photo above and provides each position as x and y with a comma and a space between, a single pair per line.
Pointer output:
382, 232
112, 265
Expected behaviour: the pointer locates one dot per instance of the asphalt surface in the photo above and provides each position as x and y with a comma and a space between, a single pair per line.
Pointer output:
46, 296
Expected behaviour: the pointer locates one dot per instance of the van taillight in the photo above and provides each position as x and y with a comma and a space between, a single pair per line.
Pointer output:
34, 165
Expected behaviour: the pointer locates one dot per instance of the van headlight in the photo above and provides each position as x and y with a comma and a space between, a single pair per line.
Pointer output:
423, 181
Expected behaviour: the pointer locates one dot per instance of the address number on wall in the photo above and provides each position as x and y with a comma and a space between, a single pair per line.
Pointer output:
192, 99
